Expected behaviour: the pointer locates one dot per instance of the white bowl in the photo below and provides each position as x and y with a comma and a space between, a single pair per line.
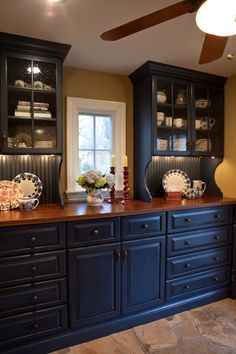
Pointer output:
161, 97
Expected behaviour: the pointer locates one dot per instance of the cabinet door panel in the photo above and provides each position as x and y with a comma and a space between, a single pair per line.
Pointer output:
94, 284
142, 274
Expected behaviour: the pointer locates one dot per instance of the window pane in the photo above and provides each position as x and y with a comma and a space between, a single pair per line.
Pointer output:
103, 132
86, 133
103, 161
86, 161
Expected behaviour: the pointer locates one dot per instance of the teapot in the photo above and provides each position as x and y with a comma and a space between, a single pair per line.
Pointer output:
161, 96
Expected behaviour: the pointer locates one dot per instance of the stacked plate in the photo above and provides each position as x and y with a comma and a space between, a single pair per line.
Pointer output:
10, 142
203, 145
162, 144
44, 144
180, 144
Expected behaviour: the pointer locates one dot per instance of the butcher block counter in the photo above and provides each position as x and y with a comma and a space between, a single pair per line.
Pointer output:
72, 274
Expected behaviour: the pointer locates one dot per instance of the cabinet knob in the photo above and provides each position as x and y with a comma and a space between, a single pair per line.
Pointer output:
145, 226
187, 243
117, 255
215, 279
36, 325
187, 265
34, 268
216, 258
124, 254
35, 297
33, 239
186, 286
188, 220
95, 232
217, 216
217, 237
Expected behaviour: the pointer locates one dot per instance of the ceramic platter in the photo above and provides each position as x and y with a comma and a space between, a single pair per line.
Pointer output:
10, 193
176, 181
30, 184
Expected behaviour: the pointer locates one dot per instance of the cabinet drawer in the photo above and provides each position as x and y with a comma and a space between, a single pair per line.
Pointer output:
198, 218
32, 325
190, 285
198, 240
197, 261
35, 267
93, 232
143, 226
29, 297
33, 238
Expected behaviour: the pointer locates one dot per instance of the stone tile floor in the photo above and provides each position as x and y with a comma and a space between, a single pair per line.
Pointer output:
210, 329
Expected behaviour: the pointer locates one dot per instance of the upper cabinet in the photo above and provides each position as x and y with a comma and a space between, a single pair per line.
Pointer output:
31, 95
181, 110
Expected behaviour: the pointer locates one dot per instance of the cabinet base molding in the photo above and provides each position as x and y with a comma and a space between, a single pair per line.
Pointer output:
74, 337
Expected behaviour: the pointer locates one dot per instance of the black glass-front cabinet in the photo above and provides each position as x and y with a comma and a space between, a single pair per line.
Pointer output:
177, 113
31, 95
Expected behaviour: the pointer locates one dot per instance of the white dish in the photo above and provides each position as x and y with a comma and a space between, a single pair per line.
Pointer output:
202, 103
176, 181
30, 184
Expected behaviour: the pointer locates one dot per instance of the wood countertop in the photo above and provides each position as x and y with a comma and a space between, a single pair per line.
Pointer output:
48, 213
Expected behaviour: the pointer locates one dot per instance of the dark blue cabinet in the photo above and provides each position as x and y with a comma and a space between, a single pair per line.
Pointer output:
94, 284
143, 274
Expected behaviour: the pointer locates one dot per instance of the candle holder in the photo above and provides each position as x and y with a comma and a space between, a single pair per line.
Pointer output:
126, 186
112, 198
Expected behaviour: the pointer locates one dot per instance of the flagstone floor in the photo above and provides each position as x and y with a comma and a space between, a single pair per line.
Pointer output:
210, 329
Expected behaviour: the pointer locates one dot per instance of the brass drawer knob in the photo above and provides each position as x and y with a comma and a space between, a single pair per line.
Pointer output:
215, 279
187, 243
34, 268
187, 265
216, 258
35, 297
145, 226
33, 239
217, 237
217, 216
186, 287
95, 232
188, 220
36, 325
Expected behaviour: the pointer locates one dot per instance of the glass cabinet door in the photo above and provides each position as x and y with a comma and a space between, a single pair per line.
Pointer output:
208, 118
172, 123
31, 104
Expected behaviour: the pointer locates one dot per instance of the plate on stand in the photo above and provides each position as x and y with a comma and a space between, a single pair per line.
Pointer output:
176, 181
30, 184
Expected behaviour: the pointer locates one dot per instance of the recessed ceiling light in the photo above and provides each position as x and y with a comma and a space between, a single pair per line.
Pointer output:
230, 56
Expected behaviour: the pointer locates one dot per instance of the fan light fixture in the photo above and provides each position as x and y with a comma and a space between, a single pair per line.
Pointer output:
55, 0
217, 17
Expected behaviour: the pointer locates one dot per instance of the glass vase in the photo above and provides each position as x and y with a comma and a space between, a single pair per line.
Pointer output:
95, 197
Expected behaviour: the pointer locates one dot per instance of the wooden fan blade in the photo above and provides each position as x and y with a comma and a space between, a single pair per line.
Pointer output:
147, 21
213, 48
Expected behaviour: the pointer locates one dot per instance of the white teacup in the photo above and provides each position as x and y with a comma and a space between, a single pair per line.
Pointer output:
19, 83
198, 124
178, 122
191, 193
168, 121
160, 116
38, 85
28, 204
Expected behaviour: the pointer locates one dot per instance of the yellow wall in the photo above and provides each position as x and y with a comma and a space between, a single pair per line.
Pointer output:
104, 86
226, 172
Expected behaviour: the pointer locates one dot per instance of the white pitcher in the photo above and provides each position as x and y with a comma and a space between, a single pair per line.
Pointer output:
199, 186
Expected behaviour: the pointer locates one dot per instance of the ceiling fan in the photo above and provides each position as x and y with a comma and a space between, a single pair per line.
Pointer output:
214, 43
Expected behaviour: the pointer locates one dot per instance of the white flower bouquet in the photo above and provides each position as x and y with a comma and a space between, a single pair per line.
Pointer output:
94, 179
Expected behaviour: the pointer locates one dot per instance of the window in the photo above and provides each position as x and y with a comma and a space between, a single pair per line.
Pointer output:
95, 130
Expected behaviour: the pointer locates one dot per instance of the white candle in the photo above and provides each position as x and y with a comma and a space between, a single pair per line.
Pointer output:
113, 160
125, 161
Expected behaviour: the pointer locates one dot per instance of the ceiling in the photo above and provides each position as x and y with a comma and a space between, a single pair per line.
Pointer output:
79, 23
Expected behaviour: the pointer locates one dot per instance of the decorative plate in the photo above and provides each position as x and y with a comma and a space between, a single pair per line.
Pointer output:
30, 184
22, 140
176, 181
10, 193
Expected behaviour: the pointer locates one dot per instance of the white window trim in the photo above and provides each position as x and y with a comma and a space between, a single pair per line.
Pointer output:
77, 105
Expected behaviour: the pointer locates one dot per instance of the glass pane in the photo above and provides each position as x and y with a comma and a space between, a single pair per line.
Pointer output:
103, 132
18, 72
86, 161
103, 161
44, 134
86, 131
179, 142
44, 76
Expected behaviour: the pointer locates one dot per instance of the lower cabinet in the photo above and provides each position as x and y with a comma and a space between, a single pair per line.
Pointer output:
106, 281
